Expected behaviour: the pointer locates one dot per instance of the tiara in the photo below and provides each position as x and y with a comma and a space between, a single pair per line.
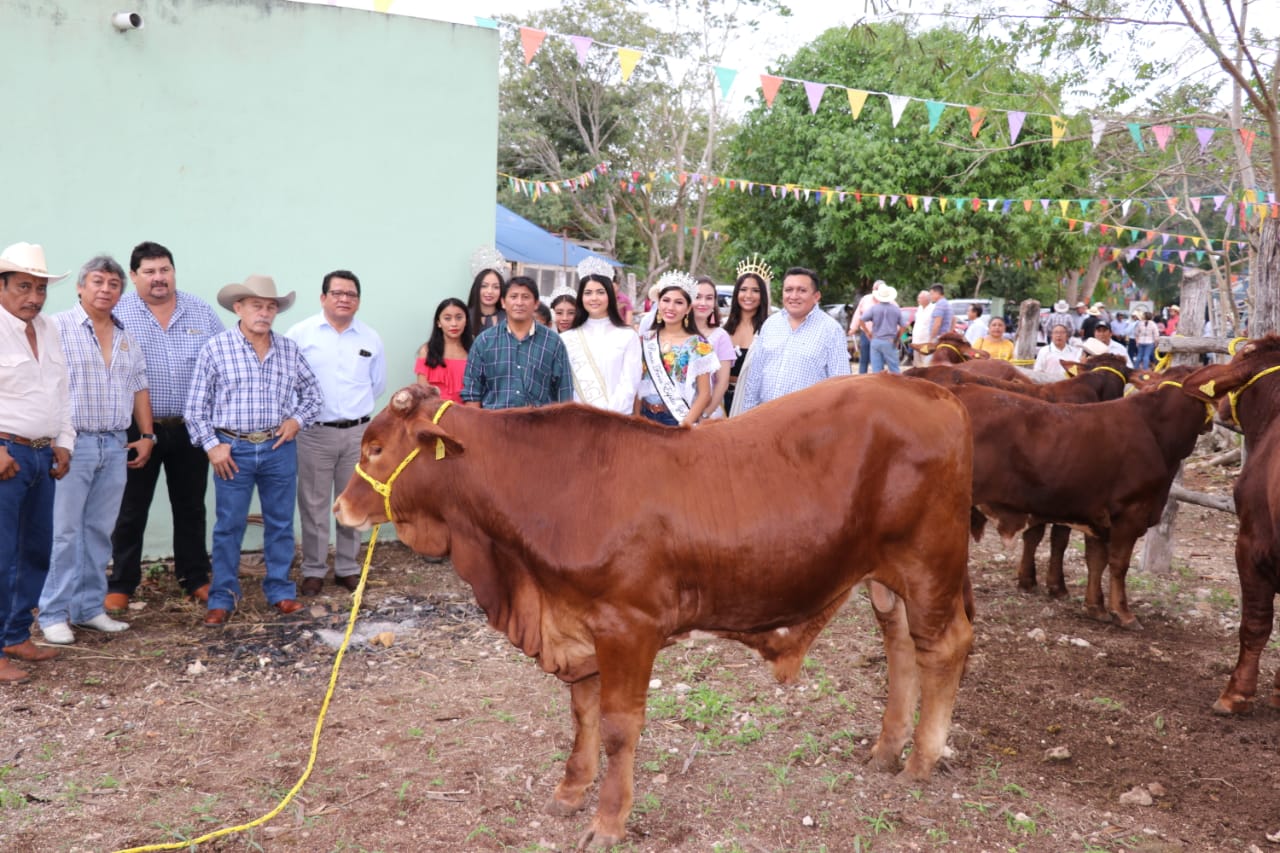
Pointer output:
489, 258
677, 278
563, 290
756, 266
592, 265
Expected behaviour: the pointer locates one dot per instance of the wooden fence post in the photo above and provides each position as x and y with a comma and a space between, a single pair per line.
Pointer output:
1024, 347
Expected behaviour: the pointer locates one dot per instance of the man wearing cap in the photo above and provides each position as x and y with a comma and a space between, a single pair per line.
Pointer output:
796, 347
882, 325
351, 367
253, 392
517, 363
1102, 342
108, 380
171, 327
36, 438
1060, 316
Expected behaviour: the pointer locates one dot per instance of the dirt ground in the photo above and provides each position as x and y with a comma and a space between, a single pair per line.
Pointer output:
448, 739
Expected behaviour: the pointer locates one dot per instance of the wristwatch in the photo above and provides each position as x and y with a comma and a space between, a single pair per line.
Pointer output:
150, 435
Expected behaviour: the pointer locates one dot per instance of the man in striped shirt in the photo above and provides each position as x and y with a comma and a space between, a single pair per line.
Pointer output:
253, 391
108, 380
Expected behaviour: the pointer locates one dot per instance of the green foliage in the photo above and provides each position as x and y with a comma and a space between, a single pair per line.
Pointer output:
853, 243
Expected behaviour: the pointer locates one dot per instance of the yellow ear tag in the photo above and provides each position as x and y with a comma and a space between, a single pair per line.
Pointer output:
439, 449
1207, 388
1071, 371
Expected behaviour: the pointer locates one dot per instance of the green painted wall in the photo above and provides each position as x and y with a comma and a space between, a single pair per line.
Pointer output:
254, 136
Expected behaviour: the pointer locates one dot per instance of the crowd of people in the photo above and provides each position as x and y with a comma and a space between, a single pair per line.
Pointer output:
97, 400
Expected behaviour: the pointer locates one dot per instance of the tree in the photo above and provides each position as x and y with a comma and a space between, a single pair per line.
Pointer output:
857, 241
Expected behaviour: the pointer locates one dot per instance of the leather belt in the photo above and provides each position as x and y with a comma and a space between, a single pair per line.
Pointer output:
344, 424
653, 408
169, 422
259, 437
36, 443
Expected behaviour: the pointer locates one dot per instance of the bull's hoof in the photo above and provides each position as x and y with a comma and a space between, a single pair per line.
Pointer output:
596, 839
560, 808
1057, 592
1227, 705
885, 760
1026, 585
1127, 621
1098, 614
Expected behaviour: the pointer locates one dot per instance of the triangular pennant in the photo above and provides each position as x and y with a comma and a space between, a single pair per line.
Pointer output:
1162, 132
1099, 125
857, 99
1205, 135
977, 115
1248, 136
582, 44
934, 108
1195, 203
1059, 126
1062, 205
769, 85
382, 6
725, 77
1016, 118
897, 103
531, 40
627, 58
1135, 130
1217, 201
814, 91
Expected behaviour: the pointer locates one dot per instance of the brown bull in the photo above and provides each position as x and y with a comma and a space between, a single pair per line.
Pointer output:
1250, 386
953, 349
592, 567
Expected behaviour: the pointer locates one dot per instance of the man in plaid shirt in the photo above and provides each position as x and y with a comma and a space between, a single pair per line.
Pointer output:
518, 362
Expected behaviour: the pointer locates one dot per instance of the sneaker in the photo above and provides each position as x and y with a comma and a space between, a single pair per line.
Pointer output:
59, 634
102, 622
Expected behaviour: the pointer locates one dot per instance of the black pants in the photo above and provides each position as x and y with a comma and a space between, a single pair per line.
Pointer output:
186, 471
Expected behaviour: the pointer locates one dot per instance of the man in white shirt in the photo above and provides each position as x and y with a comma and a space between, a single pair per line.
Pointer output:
1050, 357
1102, 342
351, 366
977, 328
921, 329
36, 438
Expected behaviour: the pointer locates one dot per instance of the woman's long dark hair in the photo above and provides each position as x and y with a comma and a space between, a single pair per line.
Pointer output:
474, 320
713, 319
435, 343
735, 310
615, 316
688, 323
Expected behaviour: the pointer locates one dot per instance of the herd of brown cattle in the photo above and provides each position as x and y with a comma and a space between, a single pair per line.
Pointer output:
592, 568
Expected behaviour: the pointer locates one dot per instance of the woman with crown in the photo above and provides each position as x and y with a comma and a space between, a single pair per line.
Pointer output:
604, 352
748, 310
490, 272
678, 362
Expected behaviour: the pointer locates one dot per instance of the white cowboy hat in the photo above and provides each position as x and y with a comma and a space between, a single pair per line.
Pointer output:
1061, 306
261, 286
27, 258
1093, 346
885, 293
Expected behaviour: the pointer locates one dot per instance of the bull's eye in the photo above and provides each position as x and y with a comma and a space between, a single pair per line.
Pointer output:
374, 451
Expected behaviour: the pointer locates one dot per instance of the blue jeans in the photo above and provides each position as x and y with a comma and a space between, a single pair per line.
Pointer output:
884, 356
664, 418
864, 351
1146, 354
84, 514
275, 473
26, 536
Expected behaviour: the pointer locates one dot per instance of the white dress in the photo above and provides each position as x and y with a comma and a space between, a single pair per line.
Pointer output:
606, 364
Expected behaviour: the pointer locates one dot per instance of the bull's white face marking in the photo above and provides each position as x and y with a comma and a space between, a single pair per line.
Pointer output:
782, 632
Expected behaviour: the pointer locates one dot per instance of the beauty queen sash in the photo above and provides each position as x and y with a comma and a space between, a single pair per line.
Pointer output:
662, 383
588, 381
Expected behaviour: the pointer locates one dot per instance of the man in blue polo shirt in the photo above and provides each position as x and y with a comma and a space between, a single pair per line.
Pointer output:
518, 362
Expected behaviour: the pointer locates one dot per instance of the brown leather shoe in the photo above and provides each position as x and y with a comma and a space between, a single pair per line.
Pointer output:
11, 674
216, 617
30, 652
347, 582
116, 603
288, 606
200, 594
312, 586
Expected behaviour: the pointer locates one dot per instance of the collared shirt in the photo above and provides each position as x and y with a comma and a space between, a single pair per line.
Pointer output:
920, 330
1049, 359
504, 372
234, 390
101, 395
942, 308
35, 398
787, 359
1059, 320
170, 353
977, 330
350, 365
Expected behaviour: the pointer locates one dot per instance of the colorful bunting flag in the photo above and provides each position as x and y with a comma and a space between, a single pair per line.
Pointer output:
627, 58
1099, 125
531, 40
977, 115
1135, 130
897, 103
1248, 136
1162, 132
581, 44
814, 91
1016, 118
934, 108
769, 84
1058, 127
725, 77
1204, 134
857, 99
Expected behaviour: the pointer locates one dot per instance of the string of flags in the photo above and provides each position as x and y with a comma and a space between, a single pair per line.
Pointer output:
855, 99
1197, 243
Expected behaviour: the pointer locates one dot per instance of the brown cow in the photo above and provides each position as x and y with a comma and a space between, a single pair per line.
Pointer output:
1251, 384
953, 349
1101, 378
1123, 456
593, 567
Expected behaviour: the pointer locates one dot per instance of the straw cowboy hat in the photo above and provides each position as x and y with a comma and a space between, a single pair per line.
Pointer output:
27, 258
261, 286
1061, 307
884, 293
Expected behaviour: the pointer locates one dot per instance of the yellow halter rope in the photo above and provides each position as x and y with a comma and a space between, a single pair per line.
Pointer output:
1208, 407
952, 347
1110, 369
384, 489
1234, 396
1234, 344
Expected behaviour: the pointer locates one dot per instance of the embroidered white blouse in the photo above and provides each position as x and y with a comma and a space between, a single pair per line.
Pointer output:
602, 353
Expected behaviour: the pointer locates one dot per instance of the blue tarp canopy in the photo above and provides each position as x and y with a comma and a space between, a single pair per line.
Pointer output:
520, 240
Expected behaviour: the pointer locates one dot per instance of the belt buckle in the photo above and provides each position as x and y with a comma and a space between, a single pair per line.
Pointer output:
41, 443
258, 437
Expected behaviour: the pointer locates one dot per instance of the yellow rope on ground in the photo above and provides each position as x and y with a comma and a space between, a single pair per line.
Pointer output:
315, 736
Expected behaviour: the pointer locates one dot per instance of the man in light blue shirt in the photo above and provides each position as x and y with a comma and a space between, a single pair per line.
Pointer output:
796, 347
351, 365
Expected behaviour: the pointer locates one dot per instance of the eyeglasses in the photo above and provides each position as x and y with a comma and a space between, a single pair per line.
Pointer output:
344, 294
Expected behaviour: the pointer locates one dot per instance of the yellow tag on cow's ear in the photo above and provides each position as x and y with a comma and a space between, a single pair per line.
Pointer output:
1207, 388
439, 449
1072, 370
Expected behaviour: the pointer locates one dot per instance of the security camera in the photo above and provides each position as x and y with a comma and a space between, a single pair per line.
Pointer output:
125, 21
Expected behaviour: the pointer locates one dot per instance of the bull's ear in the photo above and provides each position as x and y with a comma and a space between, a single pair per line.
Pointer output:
927, 349
1210, 383
1071, 368
437, 441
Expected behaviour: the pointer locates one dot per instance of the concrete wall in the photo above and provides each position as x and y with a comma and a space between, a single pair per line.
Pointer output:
254, 136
